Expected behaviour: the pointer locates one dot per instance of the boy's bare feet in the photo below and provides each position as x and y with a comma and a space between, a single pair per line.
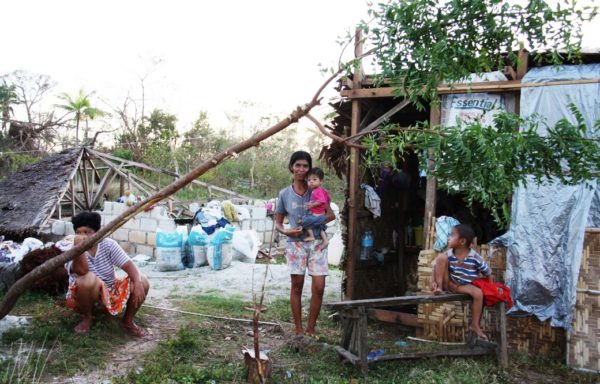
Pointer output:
479, 333
84, 326
134, 330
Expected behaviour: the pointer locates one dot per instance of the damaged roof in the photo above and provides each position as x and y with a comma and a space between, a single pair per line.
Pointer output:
28, 197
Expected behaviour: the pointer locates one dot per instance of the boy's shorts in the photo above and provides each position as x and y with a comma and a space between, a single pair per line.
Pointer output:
300, 255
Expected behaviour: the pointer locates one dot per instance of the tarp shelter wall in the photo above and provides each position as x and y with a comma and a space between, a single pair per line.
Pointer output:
548, 222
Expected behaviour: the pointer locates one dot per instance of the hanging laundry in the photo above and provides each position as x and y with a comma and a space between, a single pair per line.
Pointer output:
372, 200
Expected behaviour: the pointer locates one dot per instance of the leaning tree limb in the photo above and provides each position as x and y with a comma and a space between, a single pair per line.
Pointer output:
17, 289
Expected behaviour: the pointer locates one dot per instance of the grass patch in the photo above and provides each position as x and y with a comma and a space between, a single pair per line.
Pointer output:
216, 354
50, 331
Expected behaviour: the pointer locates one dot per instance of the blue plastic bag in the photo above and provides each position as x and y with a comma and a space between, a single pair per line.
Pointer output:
443, 227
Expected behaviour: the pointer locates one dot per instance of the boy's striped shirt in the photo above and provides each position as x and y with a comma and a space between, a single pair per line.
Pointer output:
464, 272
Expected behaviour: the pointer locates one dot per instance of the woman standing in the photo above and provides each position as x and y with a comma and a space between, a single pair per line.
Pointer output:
302, 255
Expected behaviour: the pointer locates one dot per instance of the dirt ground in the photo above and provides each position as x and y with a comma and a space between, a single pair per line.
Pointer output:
240, 280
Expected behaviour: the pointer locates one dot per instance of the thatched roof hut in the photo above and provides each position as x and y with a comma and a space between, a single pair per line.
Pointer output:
29, 197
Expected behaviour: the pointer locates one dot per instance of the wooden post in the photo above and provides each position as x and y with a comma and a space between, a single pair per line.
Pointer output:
121, 186
353, 236
503, 342
72, 196
522, 67
430, 192
363, 352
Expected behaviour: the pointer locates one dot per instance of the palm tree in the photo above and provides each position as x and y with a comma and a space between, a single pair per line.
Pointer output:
81, 107
8, 96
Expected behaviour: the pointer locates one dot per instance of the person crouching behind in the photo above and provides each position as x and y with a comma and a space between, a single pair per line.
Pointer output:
458, 267
93, 283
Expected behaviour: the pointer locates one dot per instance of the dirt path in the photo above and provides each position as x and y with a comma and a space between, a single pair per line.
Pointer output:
240, 280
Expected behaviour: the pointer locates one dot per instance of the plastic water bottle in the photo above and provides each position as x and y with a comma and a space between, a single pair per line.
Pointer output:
366, 245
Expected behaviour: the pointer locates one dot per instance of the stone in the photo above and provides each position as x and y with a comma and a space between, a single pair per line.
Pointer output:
120, 234
245, 225
69, 228
151, 238
145, 250
259, 225
118, 208
148, 225
137, 237
128, 247
107, 207
132, 224
58, 227
259, 213
167, 225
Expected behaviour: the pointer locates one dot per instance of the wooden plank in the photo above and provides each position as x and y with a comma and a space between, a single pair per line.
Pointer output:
522, 63
431, 187
397, 300
408, 319
103, 186
486, 87
363, 351
421, 355
349, 356
353, 182
375, 124
83, 177
503, 342
169, 173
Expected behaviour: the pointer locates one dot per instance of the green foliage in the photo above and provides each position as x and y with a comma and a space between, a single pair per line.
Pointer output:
126, 154
487, 163
421, 43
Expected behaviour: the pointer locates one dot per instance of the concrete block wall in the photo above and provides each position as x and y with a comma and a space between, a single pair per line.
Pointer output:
138, 235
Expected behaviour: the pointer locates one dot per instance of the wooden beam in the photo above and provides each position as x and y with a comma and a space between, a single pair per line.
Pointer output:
431, 188
421, 355
381, 119
395, 317
103, 186
397, 301
522, 63
353, 182
486, 87
503, 339
169, 173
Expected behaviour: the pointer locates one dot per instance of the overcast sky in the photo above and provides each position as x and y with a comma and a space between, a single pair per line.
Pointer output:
212, 53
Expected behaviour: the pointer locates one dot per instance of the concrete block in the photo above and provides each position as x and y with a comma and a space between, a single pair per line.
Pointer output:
267, 236
148, 225
137, 237
120, 234
69, 228
261, 236
107, 207
132, 224
151, 238
118, 208
259, 225
58, 227
167, 225
107, 218
145, 250
259, 213
269, 224
245, 225
158, 212
128, 247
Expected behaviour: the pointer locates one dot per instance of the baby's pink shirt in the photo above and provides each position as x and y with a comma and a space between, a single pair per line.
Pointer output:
321, 195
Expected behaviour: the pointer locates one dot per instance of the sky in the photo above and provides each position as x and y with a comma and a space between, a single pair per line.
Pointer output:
195, 55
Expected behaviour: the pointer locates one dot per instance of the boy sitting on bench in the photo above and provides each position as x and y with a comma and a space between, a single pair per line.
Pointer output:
455, 269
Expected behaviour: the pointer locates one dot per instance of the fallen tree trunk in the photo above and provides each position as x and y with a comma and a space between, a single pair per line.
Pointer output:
17, 289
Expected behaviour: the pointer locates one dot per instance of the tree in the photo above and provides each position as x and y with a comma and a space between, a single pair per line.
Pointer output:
419, 44
81, 107
8, 97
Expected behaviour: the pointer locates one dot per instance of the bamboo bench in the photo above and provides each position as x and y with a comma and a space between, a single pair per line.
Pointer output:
354, 346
